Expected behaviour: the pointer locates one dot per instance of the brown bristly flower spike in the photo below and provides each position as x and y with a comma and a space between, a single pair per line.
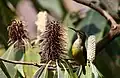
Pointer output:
16, 32
53, 44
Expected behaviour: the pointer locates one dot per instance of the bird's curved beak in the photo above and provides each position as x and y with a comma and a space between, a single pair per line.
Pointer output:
73, 29
77, 31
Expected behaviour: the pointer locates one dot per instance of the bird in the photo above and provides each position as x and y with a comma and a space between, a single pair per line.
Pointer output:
79, 52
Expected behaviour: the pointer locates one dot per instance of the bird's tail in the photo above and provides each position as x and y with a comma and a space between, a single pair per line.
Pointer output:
83, 69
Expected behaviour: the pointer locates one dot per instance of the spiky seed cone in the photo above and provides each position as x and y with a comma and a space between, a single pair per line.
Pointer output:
17, 32
53, 44
91, 48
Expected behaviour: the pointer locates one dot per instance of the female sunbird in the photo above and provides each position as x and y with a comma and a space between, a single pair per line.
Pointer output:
79, 52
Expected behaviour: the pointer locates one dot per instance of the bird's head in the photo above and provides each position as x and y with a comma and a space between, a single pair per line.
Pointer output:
80, 34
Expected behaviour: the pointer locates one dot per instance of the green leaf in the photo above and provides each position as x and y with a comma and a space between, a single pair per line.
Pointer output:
67, 71
88, 72
45, 71
18, 75
52, 74
4, 69
66, 74
13, 53
14, 2
39, 72
31, 55
60, 73
37, 5
20, 68
2, 49
10, 54
70, 70
79, 71
95, 71
103, 64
